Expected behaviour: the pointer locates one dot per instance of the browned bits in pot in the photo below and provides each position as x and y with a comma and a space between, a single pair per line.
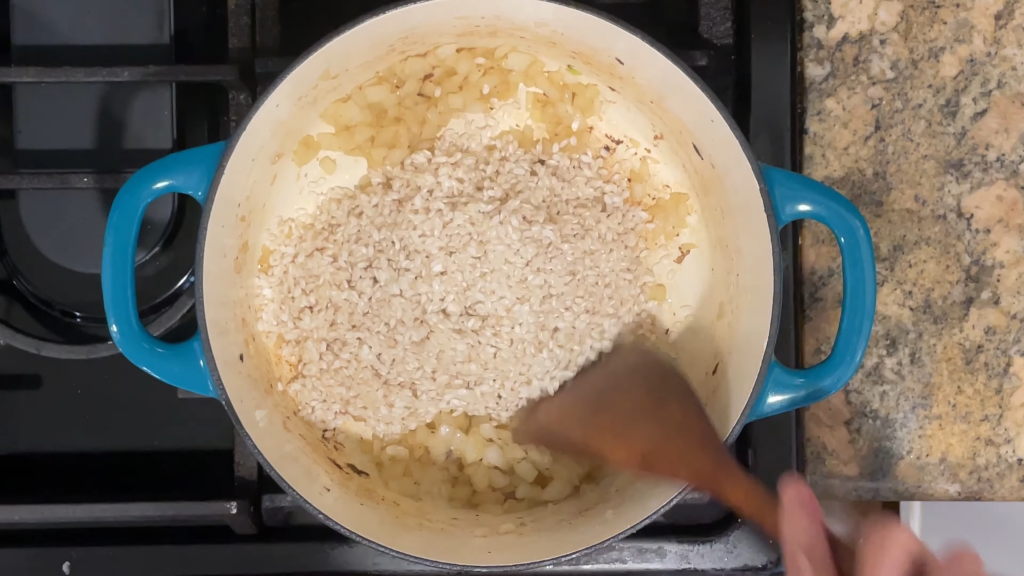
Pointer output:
264, 262
403, 108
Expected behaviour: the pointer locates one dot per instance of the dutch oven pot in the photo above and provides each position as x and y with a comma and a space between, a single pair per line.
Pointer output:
731, 287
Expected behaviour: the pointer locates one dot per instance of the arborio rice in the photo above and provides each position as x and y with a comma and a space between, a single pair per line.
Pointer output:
473, 279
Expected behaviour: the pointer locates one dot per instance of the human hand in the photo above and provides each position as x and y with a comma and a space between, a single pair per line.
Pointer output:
885, 548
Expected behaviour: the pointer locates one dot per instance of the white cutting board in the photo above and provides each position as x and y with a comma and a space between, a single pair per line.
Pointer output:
994, 529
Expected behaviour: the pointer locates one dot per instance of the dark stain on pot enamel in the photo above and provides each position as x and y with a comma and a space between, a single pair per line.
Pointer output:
697, 150
357, 470
241, 357
617, 59
715, 369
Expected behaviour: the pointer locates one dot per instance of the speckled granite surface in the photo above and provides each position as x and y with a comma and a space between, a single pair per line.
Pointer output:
915, 110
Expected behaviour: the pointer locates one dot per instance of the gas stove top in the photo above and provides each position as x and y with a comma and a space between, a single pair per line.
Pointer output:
108, 471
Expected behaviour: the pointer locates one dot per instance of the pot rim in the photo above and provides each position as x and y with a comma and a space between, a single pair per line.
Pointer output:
218, 383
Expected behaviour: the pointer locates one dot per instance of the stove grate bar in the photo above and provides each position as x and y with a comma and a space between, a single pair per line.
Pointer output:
236, 514
240, 100
209, 73
61, 180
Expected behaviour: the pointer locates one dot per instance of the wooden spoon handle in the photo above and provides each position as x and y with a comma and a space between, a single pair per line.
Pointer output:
749, 499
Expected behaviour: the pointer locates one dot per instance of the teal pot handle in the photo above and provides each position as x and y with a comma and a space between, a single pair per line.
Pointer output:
797, 197
188, 172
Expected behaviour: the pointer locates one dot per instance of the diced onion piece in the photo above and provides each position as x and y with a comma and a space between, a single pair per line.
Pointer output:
438, 449
362, 135
535, 70
376, 93
453, 84
446, 50
493, 456
550, 90
503, 436
342, 114
557, 489
397, 452
514, 452
335, 142
306, 150
503, 50
476, 107
432, 463
427, 89
359, 98
504, 90
525, 470
415, 67
396, 156
656, 292
464, 65
498, 479
529, 492
328, 165
539, 457
518, 61
669, 215
566, 470
479, 477
411, 87
386, 137
644, 172
376, 157
473, 448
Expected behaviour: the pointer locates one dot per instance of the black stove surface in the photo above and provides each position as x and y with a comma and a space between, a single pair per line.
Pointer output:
104, 467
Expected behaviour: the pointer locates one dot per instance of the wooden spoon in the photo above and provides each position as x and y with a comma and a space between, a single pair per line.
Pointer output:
633, 411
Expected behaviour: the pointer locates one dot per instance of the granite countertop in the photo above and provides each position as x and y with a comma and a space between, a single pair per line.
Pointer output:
915, 111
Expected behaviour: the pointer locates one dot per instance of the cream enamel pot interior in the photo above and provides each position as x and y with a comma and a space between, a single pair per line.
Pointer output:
726, 293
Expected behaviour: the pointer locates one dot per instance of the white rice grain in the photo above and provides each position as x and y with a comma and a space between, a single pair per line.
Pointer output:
471, 279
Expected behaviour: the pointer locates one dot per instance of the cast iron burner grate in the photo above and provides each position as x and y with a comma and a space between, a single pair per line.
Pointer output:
55, 196
119, 474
